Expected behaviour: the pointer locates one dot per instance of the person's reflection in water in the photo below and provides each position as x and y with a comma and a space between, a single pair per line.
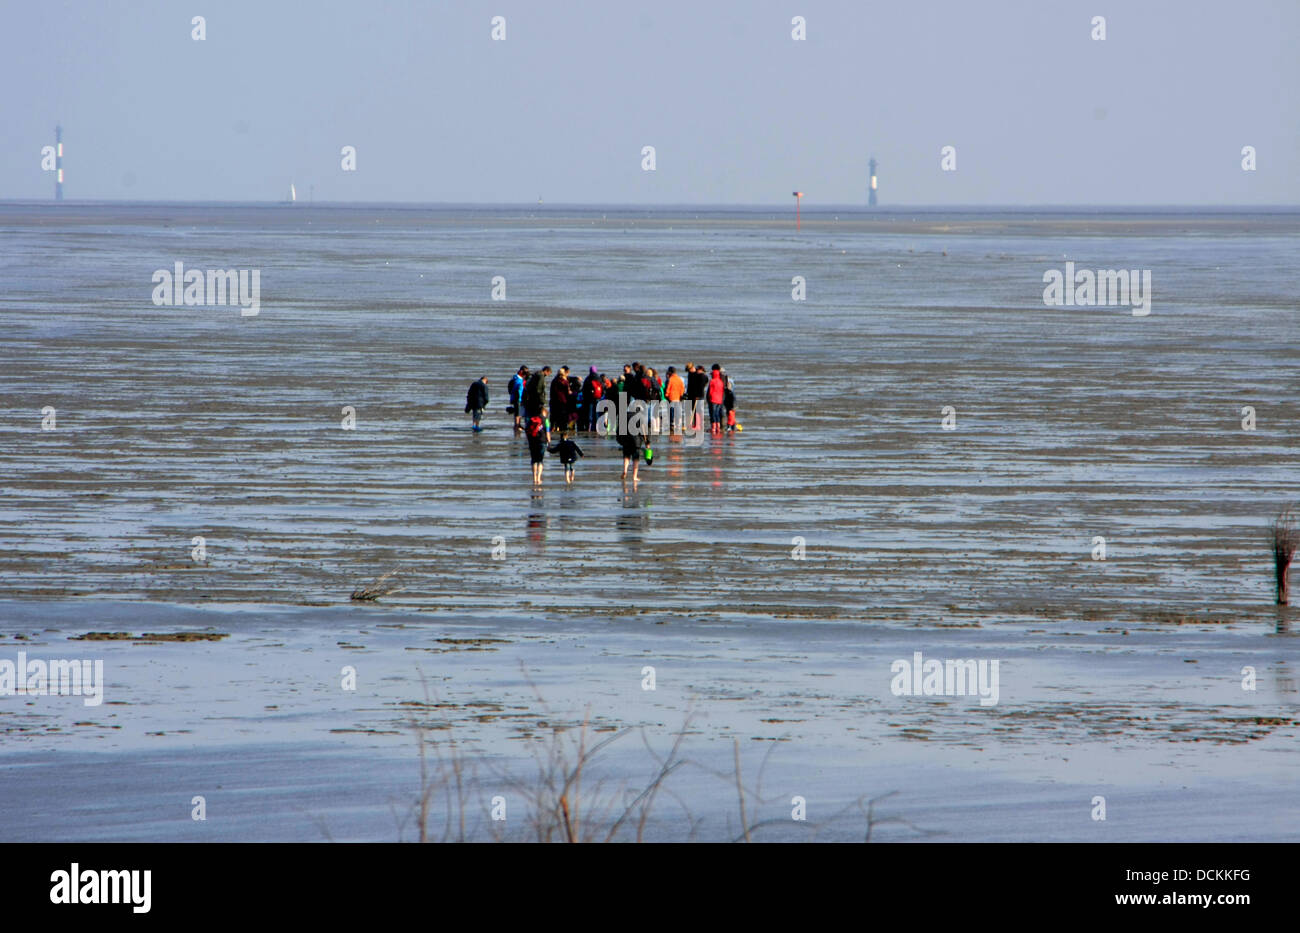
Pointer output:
674, 468
1284, 679
633, 519
537, 519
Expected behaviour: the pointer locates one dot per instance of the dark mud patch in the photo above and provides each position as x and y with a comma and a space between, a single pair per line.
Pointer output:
151, 637
1073, 722
445, 645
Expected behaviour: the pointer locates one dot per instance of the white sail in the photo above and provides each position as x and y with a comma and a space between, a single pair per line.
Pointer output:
293, 194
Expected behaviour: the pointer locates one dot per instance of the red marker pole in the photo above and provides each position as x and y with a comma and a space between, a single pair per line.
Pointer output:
797, 196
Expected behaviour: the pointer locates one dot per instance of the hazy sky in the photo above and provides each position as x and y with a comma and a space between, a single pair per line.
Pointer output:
738, 112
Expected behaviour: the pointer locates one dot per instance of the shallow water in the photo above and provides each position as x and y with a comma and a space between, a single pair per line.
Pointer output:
1152, 716
1071, 422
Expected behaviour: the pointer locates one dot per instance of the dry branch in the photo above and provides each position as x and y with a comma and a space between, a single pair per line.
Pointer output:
1285, 539
377, 589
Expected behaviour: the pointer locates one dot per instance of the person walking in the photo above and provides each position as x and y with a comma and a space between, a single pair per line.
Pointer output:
717, 392
535, 394
575, 399
591, 392
673, 392
608, 391
631, 447
729, 402
476, 400
560, 393
656, 390
697, 384
623, 385
539, 435
516, 392
634, 386
569, 452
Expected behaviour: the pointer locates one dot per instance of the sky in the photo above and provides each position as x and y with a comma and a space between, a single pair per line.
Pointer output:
738, 112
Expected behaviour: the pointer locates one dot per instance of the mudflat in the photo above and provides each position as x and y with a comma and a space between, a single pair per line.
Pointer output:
845, 527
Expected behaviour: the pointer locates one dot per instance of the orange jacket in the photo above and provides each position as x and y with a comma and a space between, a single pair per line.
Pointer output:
675, 388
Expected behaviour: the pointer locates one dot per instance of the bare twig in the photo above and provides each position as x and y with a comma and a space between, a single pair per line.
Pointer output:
377, 589
740, 790
1285, 539
568, 799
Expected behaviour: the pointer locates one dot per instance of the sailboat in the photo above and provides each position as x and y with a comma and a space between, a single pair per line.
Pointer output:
293, 194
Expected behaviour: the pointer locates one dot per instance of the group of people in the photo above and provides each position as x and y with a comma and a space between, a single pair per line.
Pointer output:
636, 404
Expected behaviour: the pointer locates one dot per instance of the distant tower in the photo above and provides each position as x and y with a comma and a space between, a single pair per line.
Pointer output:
58, 163
871, 196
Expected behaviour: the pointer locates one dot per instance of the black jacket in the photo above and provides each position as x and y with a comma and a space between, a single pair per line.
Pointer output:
697, 382
568, 450
477, 397
634, 388
588, 396
535, 394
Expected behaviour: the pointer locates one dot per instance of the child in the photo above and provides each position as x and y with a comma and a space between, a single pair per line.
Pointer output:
539, 435
569, 453
729, 403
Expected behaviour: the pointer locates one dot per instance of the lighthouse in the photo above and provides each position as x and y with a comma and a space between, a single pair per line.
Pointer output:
871, 194
58, 163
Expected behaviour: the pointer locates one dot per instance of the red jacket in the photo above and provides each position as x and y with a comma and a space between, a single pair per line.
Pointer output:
717, 388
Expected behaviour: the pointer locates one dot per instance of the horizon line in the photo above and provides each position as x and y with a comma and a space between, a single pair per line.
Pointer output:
631, 205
